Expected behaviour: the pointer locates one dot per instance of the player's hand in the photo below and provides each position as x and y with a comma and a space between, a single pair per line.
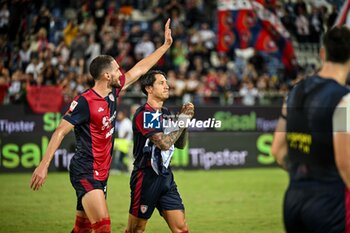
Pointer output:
38, 178
188, 109
168, 40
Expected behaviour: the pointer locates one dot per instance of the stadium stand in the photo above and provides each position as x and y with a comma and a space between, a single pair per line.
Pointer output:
51, 43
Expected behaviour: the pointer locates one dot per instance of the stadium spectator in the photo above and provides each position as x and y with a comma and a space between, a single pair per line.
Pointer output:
16, 90
152, 182
3, 89
332, 17
288, 20
311, 142
4, 18
302, 25
92, 115
316, 25
5, 51
179, 54
123, 142
92, 51
144, 47
248, 92
99, 13
258, 62
121, 30
70, 32
78, 47
35, 66
24, 55
43, 20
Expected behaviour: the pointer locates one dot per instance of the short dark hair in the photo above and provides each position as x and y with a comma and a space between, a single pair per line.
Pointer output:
99, 64
149, 78
336, 43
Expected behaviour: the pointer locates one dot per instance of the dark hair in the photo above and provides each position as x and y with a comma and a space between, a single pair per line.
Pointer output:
149, 78
336, 43
100, 64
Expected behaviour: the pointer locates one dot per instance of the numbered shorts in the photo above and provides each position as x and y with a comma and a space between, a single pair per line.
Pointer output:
149, 191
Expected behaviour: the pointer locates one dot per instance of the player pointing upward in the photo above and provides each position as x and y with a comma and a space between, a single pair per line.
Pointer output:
92, 115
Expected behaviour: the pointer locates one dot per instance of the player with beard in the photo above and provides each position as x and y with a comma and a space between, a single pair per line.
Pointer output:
92, 115
152, 181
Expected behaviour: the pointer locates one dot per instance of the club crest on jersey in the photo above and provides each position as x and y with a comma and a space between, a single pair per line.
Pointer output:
73, 105
143, 208
111, 97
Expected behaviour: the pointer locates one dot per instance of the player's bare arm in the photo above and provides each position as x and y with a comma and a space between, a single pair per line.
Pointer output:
147, 63
181, 141
341, 142
279, 146
165, 141
341, 139
40, 173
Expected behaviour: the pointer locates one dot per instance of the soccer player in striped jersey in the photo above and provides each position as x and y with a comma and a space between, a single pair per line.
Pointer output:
92, 115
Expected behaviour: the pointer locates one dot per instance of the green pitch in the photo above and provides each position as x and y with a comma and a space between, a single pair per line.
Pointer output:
248, 200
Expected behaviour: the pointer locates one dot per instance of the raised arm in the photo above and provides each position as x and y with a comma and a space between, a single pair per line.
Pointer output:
40, 173
148, 62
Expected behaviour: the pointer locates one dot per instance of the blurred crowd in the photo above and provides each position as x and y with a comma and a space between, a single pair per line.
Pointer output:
52, 42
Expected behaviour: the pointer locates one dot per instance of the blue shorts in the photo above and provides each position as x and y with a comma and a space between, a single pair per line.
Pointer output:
83, 185
149, 191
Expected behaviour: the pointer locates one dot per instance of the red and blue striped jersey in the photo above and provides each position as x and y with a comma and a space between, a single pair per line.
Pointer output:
93, 117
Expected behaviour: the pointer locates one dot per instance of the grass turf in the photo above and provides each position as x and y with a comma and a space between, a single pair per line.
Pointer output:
226, 201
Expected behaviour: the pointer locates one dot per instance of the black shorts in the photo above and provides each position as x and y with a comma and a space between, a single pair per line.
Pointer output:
83, 185
316, 209
149, 191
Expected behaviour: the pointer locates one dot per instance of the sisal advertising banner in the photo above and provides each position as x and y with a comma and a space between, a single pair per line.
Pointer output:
243, 139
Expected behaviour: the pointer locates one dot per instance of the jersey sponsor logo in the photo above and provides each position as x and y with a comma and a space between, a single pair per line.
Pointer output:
100, 109
111, 97
96, 173
107, 122
143, 208
73, 105
110, 133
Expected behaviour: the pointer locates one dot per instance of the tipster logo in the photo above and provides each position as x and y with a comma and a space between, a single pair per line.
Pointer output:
151, 120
